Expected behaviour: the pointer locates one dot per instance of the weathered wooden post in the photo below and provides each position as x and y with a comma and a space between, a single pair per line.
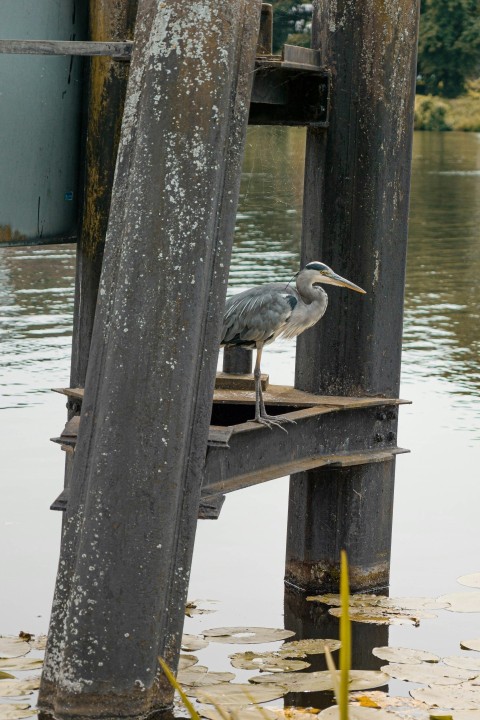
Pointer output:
355, 219
131, 517
107, 84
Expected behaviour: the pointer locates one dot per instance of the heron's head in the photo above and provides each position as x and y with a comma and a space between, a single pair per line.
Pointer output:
320, 273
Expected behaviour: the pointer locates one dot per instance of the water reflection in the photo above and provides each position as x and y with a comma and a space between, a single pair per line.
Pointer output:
441, 334
36, 301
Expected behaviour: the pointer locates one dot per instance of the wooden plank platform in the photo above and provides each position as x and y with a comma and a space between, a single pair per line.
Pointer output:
324, 431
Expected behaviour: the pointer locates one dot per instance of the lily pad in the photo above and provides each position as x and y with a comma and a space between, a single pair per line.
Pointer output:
21, 663
321, 680
355, 712
199, 607
404, 655
39, 642
454, 697
192, 643
16, 688
463, 661
472, 580
381, 699
470, 644
199, 676
384, 616
186, 661
11, 647
366, 600
238, 695
462, 602
267, 662
428, 674
15, 711
310, 646
241, 635
250, 712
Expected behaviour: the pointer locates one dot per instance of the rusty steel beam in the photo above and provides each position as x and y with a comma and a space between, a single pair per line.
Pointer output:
131, 519
357, 181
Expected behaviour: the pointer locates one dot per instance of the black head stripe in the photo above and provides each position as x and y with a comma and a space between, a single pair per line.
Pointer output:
320, 267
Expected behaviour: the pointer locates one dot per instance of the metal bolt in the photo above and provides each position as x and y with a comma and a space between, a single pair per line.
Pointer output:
391, 415
378, 437
381, 416
391, 436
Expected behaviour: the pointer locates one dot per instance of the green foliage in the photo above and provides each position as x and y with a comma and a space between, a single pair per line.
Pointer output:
430, 114
291, 23
449, 45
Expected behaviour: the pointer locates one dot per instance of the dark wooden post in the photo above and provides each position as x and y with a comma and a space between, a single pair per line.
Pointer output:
131, 517
355, 219
109, 20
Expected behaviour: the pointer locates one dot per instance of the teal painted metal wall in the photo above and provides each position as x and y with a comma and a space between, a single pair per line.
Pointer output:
40, 120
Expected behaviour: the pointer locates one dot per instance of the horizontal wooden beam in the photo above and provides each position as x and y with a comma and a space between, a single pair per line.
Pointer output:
324, 431
118, 50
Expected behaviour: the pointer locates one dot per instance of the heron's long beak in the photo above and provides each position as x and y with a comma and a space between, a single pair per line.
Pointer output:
334, 279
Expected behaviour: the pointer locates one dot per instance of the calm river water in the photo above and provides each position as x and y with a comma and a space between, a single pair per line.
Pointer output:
239, 559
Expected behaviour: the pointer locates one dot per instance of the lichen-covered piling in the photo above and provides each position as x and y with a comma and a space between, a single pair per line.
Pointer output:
131, 517
357, 182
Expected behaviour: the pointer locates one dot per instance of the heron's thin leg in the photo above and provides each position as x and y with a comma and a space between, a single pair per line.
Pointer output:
261, 415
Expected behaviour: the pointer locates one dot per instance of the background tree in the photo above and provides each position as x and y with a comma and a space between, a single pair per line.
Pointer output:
292, 22
449, 45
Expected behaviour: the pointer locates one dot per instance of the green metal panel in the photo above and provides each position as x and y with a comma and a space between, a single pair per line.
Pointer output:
40, 118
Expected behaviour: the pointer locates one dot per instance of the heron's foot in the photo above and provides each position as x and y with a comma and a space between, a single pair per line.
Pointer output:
272, 421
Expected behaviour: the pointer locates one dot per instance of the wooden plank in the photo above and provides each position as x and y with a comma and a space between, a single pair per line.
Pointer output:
117, 50
230, 381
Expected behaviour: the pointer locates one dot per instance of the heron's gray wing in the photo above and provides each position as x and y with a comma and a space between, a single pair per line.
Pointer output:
257, 315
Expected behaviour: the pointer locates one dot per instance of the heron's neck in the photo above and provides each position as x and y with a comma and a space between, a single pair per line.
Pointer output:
309, 292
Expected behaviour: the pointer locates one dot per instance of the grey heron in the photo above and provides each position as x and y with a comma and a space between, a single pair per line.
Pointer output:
258, 316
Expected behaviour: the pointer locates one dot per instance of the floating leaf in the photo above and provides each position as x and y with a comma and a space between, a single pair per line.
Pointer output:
463, 661
310, 646
21, 663
197, 607
404, 655
355, 712
472, 580
241, 635
427, 673
321, 680
15, 711
267, 662
455, 697
470, 644
383, 700
462, 601
15, 688
39, 643
366, 600
11, 647
384, 616
191, 643
238, 694
250, 712
186, 661
6, 676
199, 675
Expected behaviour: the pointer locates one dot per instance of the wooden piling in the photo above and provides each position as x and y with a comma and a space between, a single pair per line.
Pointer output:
106, 86
357, 181
131, 516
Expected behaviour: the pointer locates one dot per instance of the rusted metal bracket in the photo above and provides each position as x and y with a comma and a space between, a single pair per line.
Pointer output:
325, 432
291, 89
